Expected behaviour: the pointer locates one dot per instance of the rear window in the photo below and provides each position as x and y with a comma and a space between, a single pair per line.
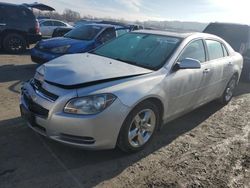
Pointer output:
235, 35
215, 50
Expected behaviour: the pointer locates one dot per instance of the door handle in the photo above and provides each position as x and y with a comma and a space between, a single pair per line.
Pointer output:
2, 24
206, 71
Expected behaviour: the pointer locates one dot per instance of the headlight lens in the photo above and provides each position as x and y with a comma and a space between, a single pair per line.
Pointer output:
39, 75
61, 49
89, 104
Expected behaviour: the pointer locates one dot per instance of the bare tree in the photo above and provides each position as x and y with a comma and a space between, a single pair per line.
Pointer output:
70, 15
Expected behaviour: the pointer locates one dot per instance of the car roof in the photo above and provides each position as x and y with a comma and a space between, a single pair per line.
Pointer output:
105, 25
227, 24
182, 35
165, 33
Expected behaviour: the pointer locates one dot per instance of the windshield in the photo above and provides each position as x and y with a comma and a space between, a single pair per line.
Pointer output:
144, 50
86, 32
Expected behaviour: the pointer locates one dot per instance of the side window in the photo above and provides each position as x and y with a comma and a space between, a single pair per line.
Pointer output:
56, 23
47, 23
194, 50
215, 50
11, 13
225, 52
1, 14
25, 13
120, 32
107, 35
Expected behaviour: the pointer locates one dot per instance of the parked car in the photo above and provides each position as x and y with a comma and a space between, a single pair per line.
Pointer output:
49, 25
79, 40
120, 93
238, 36
60, 31
18, 27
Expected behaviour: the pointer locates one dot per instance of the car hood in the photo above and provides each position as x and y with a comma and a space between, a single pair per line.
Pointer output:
78, 70
62, 41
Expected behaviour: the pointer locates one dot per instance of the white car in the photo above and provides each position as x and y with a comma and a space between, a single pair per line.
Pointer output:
120, 93
47, 26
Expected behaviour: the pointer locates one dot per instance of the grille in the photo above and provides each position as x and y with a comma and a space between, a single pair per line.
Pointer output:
37, 85
77, 139
34, 107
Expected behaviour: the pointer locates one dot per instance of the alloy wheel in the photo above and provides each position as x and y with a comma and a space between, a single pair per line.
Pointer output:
142, 128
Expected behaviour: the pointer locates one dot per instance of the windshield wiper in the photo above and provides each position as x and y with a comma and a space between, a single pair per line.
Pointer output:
126, 61
134, 63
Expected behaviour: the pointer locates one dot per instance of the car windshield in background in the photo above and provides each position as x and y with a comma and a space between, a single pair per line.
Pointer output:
144, 50
86, 32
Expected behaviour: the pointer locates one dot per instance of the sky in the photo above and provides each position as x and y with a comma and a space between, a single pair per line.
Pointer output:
183, 10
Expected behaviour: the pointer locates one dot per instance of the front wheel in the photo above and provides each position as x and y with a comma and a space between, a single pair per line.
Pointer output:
139, 127
229, 91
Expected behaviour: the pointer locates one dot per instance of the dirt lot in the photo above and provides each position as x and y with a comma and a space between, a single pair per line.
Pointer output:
209, 147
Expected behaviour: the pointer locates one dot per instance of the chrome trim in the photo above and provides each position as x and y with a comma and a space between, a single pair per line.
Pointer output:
2, 24
43, 96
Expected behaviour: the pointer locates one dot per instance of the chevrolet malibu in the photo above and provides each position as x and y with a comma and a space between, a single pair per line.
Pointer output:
122, 92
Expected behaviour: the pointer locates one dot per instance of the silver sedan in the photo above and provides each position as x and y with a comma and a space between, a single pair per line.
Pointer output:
122, 92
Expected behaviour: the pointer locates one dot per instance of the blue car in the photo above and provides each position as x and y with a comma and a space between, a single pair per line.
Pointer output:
79, 40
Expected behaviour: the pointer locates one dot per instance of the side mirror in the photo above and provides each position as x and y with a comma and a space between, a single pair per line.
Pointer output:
189, 63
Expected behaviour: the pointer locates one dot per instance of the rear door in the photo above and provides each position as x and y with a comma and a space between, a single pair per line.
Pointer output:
215, 72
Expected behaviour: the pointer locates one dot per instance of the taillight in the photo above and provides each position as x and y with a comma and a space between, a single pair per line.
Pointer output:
37, 27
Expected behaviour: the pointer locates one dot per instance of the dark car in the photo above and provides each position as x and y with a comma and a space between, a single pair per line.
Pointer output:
79, 40
238, 36
19, 26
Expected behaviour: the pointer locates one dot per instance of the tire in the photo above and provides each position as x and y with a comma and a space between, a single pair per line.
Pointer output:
14, 43
136, 125
229, 91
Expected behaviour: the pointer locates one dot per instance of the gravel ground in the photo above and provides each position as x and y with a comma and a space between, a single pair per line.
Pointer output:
209, 147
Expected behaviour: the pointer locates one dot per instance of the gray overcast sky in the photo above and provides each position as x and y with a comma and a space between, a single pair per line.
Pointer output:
183, 10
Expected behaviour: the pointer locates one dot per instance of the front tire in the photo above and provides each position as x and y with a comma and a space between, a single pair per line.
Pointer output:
139, 127
229, 91
14, 43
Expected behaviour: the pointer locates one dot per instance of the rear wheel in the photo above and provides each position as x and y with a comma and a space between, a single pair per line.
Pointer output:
14, 43
229, 91
139, 127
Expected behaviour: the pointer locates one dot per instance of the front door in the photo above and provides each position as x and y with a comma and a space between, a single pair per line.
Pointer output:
182, 86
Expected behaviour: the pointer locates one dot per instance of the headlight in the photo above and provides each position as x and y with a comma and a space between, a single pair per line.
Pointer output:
90, 104
60, 50
39, 75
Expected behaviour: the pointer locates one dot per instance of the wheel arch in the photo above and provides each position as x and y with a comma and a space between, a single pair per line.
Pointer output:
153, 99
13, 31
